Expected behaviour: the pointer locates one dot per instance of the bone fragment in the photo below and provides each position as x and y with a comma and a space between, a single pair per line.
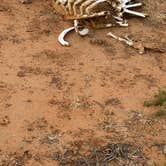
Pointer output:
127, 41
62, 36
84, 32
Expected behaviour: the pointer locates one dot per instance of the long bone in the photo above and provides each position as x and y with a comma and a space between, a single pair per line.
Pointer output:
125, 1
134, 13
126, 7
133, 5
126, 40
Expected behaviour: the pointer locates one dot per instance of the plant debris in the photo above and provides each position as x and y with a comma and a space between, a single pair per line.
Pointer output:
114, 153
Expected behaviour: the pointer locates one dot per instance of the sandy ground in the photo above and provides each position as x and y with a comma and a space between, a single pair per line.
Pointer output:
92, 93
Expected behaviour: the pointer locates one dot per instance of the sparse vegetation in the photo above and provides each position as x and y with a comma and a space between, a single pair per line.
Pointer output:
155, 164
81, 105
159, 100
111, 154
161, 113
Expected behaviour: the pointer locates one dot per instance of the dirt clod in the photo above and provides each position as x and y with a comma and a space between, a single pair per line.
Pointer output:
4, 121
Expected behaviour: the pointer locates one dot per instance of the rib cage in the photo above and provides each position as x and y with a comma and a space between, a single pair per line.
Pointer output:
95, 13
84, 9
111, 11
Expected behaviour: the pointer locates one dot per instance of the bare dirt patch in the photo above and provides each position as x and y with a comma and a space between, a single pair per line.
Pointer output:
82, 105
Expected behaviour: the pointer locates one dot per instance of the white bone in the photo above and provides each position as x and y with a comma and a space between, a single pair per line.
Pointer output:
69, 6
134, 13
108, 25
75, 4
63, 2
90, 7
84, 5
125, 1
84, 32
126, 41
76, 26
103, 13
62, 36
118, 18
133, 5
122, 23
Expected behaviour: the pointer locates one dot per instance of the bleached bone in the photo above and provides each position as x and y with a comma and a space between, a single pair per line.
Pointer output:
77, 2
63, 2
79, 10
84, 5
134, 13
133, 5
93, 5
126, 41
76, 26
126, 7
84, 32
108, 25
118, 18
122, 23
62, 36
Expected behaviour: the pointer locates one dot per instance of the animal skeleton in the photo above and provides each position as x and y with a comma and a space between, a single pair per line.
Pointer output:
95, 13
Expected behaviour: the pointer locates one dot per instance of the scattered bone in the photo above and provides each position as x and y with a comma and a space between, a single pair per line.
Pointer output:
84, 32
145, 46
126, 40
141, 47
62, 36
85, 12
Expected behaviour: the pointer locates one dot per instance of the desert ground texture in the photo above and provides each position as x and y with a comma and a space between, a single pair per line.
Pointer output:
81, 105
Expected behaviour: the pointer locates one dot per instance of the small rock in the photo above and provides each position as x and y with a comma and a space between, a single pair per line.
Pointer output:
4, 121
21, 74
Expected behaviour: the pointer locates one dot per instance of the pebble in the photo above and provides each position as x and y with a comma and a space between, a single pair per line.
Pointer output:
4, 121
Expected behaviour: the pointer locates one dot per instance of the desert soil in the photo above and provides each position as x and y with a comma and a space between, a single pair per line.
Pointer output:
55, 100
